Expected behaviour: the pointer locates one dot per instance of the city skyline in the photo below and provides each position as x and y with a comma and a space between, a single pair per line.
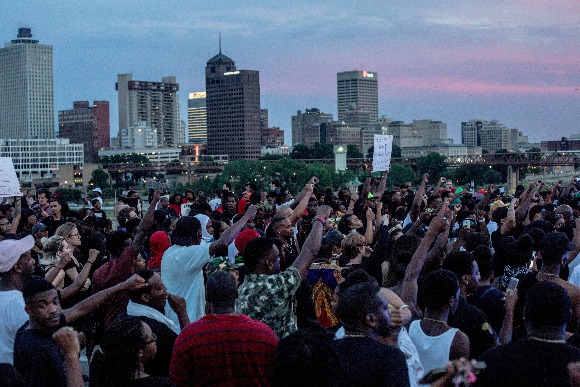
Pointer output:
512, 61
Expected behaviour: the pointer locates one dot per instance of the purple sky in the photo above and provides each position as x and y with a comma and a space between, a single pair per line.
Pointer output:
514, 61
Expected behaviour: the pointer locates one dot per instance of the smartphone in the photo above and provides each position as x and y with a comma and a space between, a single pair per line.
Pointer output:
466, 223
513, 284
436, 374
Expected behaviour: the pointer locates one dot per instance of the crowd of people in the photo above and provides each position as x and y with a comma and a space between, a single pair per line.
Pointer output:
415, 285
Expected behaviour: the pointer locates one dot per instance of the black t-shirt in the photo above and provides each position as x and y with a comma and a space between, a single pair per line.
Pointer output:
159, 365
367, 362
490, 301
152, 381
52, 224
38, 359
100, 214
529, 363
473, 322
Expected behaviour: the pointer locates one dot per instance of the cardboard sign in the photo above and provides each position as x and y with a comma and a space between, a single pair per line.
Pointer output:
9, 184
382, 152
185, 209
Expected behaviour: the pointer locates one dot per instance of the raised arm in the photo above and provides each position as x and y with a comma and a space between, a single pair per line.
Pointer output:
382, 185
17, 215
231, 232
81, 278
67, 340
410, 286
442, 180
52, 274
312, 244
145, 224
418, 198
302, 204
510, 221
370, 215
99, 299
313, 180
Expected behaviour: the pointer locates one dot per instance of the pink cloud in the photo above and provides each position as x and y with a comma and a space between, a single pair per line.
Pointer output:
473, 86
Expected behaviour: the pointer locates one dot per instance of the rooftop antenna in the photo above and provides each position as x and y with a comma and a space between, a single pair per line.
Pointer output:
220, 39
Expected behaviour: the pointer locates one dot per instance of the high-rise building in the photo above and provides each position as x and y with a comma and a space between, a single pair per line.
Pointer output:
306, 126
490, 135
88, 125
26, 88
139, 136
197, 118
155, 103
233, 109
272, 137
263, 119
358, 91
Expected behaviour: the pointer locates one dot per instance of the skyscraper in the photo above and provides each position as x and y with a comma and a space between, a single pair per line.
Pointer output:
233, 109
26, 88
88, 125
196, 118
306, 127
490, 135
358, 91
154, 103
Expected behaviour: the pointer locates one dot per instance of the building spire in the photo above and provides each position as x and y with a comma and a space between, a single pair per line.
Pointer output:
220, 40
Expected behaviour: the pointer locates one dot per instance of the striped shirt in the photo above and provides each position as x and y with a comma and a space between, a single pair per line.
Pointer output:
223, 350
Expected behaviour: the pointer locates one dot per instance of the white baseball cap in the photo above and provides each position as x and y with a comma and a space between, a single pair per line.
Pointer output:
12, 249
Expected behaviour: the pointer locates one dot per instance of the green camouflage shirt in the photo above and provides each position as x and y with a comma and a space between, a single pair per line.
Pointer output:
270, 298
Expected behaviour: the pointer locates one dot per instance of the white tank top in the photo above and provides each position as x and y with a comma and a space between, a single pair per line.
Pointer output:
433, 350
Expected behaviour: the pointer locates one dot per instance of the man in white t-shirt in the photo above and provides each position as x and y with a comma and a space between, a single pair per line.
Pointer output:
182, 263
16, 266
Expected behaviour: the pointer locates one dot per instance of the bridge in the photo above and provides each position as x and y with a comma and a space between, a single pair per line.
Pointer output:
516, 160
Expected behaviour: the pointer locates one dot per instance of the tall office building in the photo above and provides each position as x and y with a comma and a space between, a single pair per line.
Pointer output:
233, 109
490, 135
306, 126
88, 125
196, 118
358, 91
154, 103
26, 88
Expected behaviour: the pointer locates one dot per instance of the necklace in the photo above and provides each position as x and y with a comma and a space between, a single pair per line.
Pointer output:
560, 341
550, 274
354, 334
434, 320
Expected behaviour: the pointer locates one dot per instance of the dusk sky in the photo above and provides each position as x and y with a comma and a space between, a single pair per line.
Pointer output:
514, 61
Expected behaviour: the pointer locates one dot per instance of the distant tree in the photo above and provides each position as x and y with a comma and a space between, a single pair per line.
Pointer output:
352, 152
396, 151
318, 151
323, 151
370, 152
301, 152
99, 178
479, 173
400, 174
434, 164
269, 156
69, 195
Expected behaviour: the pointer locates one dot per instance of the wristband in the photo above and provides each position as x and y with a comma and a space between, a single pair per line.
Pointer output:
404, 306
321, 220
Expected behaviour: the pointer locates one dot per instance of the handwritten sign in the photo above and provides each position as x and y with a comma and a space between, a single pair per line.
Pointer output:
382, 152
9, 184
185, 209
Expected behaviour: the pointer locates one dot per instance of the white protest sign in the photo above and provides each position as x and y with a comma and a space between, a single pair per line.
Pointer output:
9, 184
382, 152
185, 209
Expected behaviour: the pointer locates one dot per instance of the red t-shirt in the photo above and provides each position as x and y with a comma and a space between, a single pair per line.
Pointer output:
113, 273
225, 350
